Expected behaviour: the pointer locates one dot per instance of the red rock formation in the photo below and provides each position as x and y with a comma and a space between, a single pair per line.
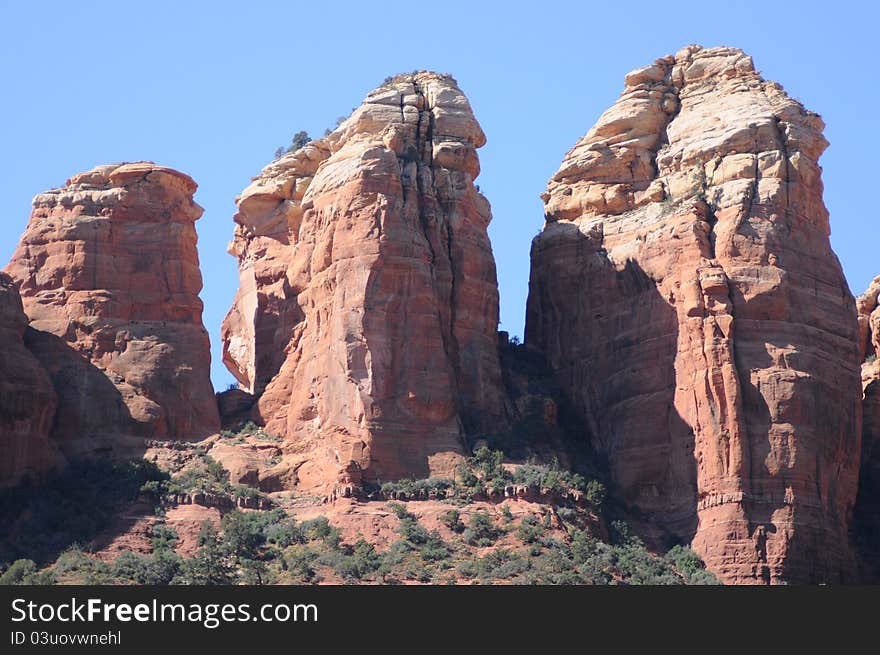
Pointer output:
868, 305
109, 275
868, 503
686, 294
368, 305
27, 400
260, 322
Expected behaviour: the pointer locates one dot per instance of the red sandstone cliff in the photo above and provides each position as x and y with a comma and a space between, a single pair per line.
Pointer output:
367, 312
867, 528
869, 347
685, 292
27, 400
108, 274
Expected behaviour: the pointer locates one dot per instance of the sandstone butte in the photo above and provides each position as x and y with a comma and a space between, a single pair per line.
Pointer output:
27, 400
365, 321
108, 274
685, 293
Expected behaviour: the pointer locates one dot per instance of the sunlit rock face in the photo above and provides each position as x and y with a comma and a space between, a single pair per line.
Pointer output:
685, 292
367, 310
109, 276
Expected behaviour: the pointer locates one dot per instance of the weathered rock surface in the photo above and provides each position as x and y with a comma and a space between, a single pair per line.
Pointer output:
868, 305
27, 400
867, 513
367, 311
685, 292
108, 273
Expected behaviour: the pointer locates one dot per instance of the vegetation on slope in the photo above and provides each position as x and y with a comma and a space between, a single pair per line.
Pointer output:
46, 539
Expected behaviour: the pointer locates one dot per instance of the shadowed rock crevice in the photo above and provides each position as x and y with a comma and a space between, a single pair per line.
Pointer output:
866, 525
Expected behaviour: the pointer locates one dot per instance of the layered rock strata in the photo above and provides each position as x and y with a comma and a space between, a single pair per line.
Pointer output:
109, 276
685, 293
867, 527
367, 311
27, 399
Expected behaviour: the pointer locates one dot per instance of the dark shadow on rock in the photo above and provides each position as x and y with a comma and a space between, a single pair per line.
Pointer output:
866, 516
236, 408
91, 412
71, 508
94, 429
612, 340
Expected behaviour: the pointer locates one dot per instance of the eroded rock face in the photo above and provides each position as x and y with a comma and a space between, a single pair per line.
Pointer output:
367, 313
27, 400
685, 292
868, 305
109, 275
867, 513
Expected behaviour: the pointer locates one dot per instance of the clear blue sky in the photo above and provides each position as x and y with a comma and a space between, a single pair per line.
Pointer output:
212, 88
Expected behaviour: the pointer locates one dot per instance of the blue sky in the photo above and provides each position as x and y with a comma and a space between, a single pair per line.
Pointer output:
212, 88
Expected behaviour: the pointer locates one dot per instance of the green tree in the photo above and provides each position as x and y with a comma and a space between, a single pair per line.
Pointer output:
212, 564
18, 571
164, 538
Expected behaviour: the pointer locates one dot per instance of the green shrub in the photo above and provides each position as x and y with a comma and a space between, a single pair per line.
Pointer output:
212, 563
552, 477
637, 566
488, 464
164, 537
393, 558
158, 569
299, 140
416, 488
481, 530
690, 566
434, 548
452, 520
161, 568
78, 567
319, 529
413, 531
621, 533
530, 530
243, 532
595, 493
400, 511
300, 562
466, 478
206, 475
256, 572
128, 566
485, 471
245, 492
39, 523
285, 533
18, 571
354, 562
502, 564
